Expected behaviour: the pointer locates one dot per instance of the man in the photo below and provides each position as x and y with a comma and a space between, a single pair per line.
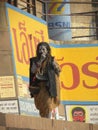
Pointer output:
44, 80
78, 114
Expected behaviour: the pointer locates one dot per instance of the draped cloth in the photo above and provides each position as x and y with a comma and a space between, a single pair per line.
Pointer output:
48, 97
44, 102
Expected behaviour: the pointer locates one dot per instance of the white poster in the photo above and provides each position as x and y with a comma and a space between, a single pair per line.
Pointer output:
22, 84
7, 87
27, 107
86, 113
9, 106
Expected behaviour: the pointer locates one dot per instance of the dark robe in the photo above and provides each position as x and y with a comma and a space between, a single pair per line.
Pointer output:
45, 91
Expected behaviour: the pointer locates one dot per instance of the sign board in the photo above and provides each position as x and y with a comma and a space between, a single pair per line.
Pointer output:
7, 87
79, 62
9, 106
27, 107
79, 72
26, 31
76, 112
58, 20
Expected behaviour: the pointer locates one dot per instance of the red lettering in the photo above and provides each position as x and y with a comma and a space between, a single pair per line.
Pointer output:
19, 56
36, 41
76, 76
90, 73
22, 26
31, 45
25, 48
40, 34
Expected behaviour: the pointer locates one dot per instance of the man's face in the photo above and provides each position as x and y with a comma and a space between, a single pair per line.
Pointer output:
78, 116
43, 50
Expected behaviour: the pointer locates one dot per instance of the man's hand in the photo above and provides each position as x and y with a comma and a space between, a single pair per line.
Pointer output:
42, 58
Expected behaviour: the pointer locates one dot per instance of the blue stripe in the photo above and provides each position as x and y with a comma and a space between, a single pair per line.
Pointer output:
13, 59
79, 102
24, 78
72, 45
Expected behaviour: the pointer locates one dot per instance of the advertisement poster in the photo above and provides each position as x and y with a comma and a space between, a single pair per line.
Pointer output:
27, 107
9, 106
59, 22
78, 62
22, 84
79, 72
7, 87
84, 113
26, 31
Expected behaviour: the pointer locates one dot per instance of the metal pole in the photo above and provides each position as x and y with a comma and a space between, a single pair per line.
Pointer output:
96, 21
74, 2
73, 28
72, 14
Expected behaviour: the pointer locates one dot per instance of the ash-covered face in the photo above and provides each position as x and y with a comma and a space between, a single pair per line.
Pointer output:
43, 51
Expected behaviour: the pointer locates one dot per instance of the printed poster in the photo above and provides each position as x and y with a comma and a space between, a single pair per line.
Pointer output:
26, 31
7, 87
82, 113
9, 106
59, 22
27, 107
79, 72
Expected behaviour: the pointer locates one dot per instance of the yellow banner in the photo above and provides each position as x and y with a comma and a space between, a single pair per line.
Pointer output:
26, 31
79, 76
79, 64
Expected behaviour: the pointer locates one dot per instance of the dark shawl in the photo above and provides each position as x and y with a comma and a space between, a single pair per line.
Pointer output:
51, 82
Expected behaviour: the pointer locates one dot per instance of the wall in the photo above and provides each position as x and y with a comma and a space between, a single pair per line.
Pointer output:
16, 122
81, 21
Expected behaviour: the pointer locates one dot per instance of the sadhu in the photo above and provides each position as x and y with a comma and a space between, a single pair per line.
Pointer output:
44, 80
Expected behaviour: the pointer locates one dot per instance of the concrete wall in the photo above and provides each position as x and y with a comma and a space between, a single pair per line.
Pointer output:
81, 21
6, 65
6, 59
76, 21
17, 122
